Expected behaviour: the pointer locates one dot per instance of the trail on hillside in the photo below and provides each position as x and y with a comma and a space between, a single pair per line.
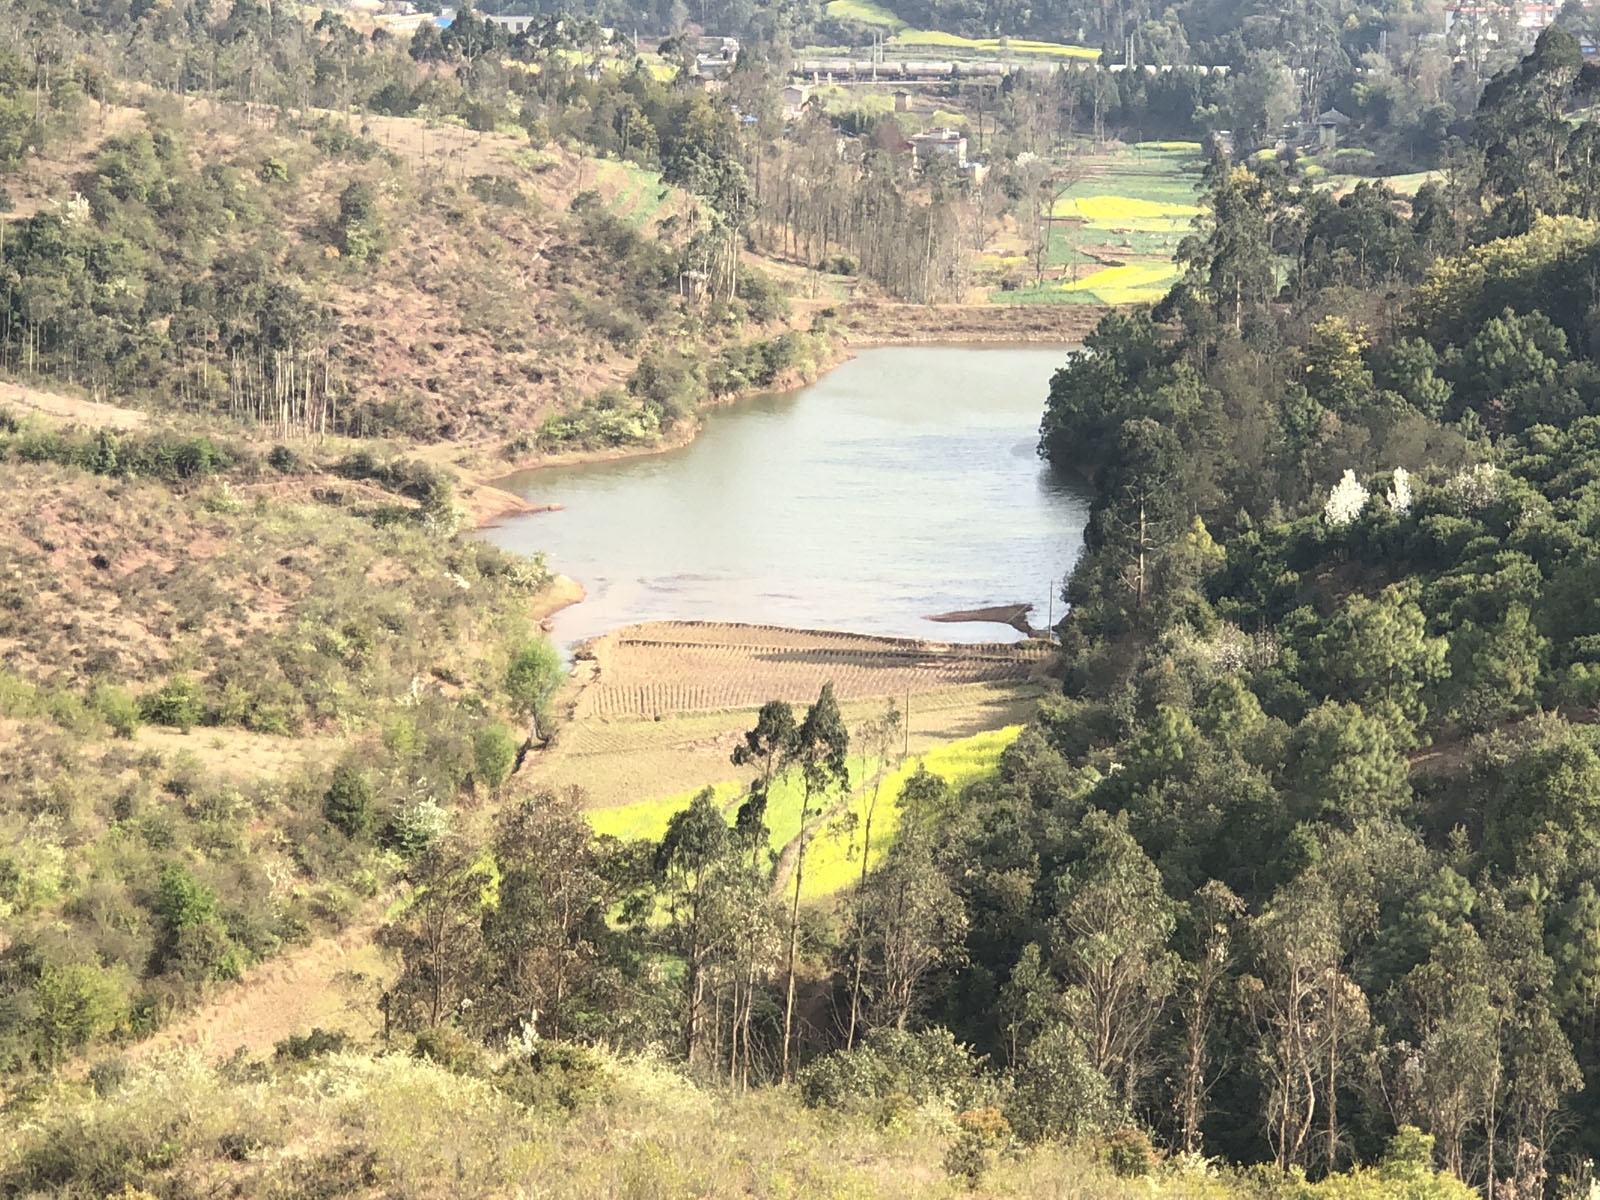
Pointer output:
70, 408
331, 982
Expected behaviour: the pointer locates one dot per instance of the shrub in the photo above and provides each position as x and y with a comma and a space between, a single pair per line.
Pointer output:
555, 1075
179, 704
450, 1048
120, 709
319, 1043
1058, 1094
1130, 1154
418, 827
929, 1067
971, 1155
348, 802
494, 754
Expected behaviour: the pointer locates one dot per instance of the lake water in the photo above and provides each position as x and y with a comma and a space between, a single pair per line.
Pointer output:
903, 484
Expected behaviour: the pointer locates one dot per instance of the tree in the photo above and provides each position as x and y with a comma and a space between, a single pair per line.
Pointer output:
770, 742
1212, 915
1230, 261
77, 1004
689, 861
821, 746
547, 933
1342, 766
917, 920
1378, 654
1291, 1002
881, 736
439, 935
494, 755
348, 801
534, 674
1112, 924
1058, 1092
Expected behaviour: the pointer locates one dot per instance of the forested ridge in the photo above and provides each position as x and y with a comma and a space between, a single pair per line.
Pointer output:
1329, 702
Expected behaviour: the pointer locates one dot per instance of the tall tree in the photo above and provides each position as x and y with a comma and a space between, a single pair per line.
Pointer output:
1112, 926
821, 749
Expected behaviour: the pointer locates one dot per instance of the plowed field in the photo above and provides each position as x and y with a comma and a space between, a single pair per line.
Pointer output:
670, 667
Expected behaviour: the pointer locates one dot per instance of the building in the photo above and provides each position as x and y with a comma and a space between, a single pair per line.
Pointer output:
725, 48
951, 143
1328, 126
795, 97
902, 100
512, 25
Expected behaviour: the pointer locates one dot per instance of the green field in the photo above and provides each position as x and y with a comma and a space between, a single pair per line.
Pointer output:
905, 37
1117, 228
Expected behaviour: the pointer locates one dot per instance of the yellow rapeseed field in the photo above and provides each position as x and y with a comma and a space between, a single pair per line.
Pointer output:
1115, 210
1134, 283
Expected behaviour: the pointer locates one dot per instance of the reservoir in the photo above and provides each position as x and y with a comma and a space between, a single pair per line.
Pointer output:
901, 485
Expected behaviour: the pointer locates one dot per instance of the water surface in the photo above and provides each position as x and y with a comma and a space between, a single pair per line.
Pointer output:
903, 484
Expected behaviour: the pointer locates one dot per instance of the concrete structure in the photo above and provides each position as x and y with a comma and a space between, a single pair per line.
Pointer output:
948, 142
795, 97
902, 101
1328, 126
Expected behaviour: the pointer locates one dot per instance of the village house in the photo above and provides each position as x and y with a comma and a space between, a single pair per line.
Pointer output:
951, 143
795, 97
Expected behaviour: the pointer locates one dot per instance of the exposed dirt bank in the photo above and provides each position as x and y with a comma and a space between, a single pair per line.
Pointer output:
884, 323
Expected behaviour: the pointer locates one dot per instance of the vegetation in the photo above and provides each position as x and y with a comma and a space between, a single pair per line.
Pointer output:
1290, 891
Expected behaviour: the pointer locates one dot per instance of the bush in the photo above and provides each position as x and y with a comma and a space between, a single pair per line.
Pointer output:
555, 1075
319, 1043
928, 1067
450, 1048
179, 704
1130, 1154
1058, 1094
971, 1155
348, 803
120, 708
494, 754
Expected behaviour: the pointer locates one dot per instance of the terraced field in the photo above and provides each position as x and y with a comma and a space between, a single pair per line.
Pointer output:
672, 667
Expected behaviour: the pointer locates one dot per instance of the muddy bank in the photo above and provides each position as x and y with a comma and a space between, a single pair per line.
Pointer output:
884, 323
561, 591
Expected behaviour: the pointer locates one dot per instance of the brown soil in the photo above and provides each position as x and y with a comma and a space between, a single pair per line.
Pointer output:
881, 322
667, 667
561, 592
332, 983
72, 409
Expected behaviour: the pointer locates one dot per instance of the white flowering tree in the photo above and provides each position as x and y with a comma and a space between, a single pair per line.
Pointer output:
1474, 488
1399, 496
1345, 502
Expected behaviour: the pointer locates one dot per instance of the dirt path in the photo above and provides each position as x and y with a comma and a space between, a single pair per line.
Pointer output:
71, 409
331, 983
